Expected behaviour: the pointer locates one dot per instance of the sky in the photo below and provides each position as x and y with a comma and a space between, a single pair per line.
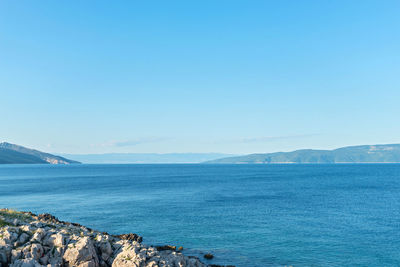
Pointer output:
199, 76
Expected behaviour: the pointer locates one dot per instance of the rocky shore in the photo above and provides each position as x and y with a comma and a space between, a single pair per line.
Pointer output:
29, 240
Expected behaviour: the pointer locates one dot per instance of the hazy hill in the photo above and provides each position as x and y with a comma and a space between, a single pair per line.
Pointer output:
145, 157
14, 154
351, 154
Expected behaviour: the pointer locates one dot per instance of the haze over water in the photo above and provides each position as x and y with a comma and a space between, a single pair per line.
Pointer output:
246, 215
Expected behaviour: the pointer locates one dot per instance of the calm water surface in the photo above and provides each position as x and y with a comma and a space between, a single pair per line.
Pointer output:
246, 215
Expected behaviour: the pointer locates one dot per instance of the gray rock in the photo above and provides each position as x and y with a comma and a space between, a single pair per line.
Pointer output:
26, 263
106, 250
3, 257
23, 238
67, 244
15, 255
82, 254
39, 234
37, 251
44, 260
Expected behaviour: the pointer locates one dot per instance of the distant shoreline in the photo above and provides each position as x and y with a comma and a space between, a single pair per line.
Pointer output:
201, 163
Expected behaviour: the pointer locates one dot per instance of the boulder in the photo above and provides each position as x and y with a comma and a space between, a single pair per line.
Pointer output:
81, 254
57, 240
37, 251
39, 234
23, 238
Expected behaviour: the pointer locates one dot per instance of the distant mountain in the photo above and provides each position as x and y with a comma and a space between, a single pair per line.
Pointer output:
14, 154
126, 158
351, 154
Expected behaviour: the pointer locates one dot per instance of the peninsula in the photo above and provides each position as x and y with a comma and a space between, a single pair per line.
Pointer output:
15, 154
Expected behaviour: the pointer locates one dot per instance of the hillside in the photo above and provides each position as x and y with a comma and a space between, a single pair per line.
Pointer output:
351, 154
14, 154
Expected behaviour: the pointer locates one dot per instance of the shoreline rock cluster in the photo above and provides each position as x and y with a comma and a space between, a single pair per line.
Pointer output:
29, 240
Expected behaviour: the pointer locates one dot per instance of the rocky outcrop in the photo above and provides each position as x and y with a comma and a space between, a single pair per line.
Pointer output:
28, 240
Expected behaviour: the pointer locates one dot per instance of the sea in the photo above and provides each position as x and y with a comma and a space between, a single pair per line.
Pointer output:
245, 215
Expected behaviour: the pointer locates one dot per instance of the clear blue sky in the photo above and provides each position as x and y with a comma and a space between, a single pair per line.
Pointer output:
199, 76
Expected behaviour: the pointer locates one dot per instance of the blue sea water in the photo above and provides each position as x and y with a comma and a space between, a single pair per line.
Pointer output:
246, 215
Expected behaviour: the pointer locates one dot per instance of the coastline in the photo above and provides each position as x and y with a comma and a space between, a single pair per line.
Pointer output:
30, 240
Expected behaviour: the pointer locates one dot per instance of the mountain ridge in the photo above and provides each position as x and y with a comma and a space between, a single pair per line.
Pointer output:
145, 158
382, 153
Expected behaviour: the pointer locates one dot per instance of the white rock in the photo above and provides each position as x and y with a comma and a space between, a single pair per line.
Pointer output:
57, 240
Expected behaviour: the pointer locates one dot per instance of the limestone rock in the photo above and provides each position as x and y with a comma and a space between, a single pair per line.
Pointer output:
37, 251
45, 241
39, 234
81, 254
